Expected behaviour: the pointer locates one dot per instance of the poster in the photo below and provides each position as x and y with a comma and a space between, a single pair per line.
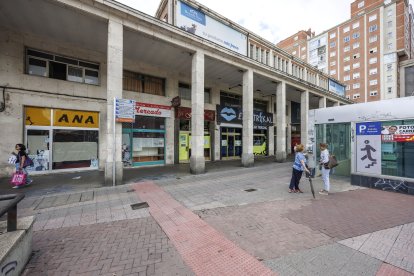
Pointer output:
368, 147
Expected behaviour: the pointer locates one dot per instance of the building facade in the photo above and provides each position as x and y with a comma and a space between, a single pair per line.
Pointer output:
365, 52
63, 90
297, 44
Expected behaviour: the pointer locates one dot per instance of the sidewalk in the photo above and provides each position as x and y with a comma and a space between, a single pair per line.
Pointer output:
353, 231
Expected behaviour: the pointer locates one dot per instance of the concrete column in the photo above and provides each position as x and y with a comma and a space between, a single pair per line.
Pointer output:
317, 80
271, 132
336, 104
322, 102
197, 160
114, 90
305, 74
304, 109
170, 136
289, 127
247, 156
281, 122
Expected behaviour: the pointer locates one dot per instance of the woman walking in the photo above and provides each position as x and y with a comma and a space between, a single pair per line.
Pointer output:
20, 162
325, 169
298, 167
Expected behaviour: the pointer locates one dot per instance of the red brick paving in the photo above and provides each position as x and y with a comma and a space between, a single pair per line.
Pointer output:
204, 250
354, 213
390, 270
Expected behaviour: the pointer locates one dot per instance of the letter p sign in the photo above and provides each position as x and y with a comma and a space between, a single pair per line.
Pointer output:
362, 128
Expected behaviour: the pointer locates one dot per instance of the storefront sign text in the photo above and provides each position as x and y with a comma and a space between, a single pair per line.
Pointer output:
75, 118
234, 115
185, 113
152, 110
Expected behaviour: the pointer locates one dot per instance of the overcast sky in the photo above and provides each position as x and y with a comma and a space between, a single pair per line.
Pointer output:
273, 20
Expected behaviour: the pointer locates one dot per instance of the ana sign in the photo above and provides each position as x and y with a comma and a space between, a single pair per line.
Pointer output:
153, 110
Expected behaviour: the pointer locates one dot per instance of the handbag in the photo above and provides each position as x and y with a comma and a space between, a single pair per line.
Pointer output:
28, 162
18, 179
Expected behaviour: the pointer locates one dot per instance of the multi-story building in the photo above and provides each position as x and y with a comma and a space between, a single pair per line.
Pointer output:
365, 51
297, 44
183, 97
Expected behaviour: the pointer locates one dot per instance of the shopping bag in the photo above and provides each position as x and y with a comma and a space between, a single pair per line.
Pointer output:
12, 159
18, 179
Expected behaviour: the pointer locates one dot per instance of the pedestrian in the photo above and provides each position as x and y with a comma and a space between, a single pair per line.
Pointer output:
298, 167
324, 161
20, 150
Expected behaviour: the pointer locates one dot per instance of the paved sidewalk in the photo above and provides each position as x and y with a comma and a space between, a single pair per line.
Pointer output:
353, 231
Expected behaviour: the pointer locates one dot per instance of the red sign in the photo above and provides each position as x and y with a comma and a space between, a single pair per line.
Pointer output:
185, 113
153, 110
398, 138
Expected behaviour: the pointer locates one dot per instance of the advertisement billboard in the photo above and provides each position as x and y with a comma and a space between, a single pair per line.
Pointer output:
336, 87
368, 147
196, 22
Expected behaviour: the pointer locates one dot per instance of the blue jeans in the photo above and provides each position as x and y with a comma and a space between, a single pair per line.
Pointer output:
294, 181
28, 179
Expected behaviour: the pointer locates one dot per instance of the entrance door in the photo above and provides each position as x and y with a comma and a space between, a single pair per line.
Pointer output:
230, 146
38, 146
184, 146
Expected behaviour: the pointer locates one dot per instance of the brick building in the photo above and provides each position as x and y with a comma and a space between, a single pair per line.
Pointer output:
365, 51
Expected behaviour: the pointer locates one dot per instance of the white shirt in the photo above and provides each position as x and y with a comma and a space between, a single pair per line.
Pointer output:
325, 156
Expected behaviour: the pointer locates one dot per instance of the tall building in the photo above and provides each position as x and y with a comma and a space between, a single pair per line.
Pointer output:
297, 44
365, 51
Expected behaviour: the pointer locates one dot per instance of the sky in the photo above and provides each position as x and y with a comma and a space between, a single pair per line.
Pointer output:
273, 20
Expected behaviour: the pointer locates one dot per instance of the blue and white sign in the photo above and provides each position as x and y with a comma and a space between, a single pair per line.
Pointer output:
196, 22
336, 88
124, 110
370, 128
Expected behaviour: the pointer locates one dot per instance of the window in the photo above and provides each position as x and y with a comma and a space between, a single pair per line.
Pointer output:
346, 29
347, 58
373, 50
303, 49
332, 72
373, 71
389, 78
294, 53
355, 45
373, 38
355, 76
62, 68
356, 65
348, 87
296, 38
347, 48
333, 63
332, 35
389, 46
389, 67
332, 44
347, 68
373, 82
184, 90
389, 34
389, 13
332, 54
144, 84
356, 96
346, 39
361, 4
357, 55
355, 35
389, 24
372, 18
373, 93
356, 86
355, 25
347, 78
373, 60
373, 28
389, 90
251, 50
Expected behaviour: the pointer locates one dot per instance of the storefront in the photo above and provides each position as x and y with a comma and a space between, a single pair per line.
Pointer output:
231, 130
61, 139
183, 117
143, 142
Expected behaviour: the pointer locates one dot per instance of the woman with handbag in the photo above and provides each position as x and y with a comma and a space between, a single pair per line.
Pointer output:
324, 162
21, 163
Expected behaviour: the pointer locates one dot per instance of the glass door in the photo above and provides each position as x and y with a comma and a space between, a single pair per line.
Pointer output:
230, 141
38, 148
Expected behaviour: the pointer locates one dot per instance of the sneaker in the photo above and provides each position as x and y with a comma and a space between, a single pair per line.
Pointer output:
29, 182
323, 193
15, 187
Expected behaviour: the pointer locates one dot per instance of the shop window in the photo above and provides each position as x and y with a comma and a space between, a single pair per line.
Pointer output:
62, 68
142, 83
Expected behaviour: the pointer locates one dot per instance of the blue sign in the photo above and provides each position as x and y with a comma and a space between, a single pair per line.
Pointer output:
193, 14
336, 88
373, 128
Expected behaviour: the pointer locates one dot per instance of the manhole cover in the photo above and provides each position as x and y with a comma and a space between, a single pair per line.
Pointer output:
139, 205
250, 190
